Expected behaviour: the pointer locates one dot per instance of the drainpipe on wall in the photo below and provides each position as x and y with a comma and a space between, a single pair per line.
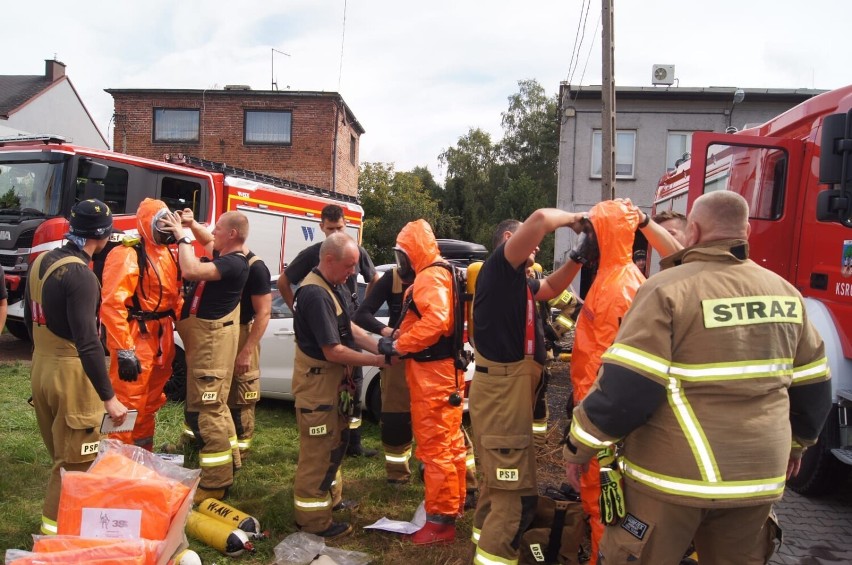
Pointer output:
334, 154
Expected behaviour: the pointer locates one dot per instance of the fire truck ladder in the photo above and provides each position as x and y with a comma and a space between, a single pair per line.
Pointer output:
216, 167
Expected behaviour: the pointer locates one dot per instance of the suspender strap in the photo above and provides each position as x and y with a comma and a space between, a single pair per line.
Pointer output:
529, 331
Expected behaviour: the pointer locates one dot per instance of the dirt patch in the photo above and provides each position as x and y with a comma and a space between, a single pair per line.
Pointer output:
551, 470
13, 349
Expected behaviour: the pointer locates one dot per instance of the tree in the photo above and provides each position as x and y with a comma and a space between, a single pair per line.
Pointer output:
467, 193
392, 199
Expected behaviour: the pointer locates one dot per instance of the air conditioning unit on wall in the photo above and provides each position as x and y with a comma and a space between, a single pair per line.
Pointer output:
662, 74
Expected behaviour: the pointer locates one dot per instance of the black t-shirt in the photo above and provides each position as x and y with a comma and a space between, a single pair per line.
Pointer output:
499, 311
220, 297
315, 321
380, 293
309, 258
257, 284
70, 299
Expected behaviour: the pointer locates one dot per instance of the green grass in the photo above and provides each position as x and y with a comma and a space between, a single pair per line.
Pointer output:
263, 488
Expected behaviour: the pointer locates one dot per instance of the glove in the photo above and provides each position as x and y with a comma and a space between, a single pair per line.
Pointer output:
345, 403
128, 365
611, 500
586, 249
386, 347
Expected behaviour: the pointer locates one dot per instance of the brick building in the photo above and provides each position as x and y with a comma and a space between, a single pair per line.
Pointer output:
306, 137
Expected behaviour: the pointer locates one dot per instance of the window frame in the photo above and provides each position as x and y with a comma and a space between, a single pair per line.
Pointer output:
247, 141
156, 139
597, 156
669, 133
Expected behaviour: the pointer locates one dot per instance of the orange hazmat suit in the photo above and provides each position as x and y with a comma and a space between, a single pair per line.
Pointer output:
156, 285
436, 423
606, 303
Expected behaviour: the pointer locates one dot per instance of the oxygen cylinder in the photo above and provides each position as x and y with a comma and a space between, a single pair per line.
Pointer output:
229, 515
186, 557
470, 287
219, 536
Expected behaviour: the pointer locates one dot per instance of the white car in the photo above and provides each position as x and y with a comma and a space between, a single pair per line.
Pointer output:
278, 350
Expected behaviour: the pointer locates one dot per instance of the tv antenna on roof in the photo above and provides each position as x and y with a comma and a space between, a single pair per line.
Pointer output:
274, 51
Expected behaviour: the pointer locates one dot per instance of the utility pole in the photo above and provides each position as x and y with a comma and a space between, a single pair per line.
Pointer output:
608, 133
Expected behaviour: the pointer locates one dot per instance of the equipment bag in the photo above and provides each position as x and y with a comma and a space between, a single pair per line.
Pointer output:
555, 533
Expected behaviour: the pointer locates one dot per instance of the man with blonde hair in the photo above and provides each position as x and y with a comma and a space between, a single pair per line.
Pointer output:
209, 327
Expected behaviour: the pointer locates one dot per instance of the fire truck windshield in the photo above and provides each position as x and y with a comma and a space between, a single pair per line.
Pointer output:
30, 188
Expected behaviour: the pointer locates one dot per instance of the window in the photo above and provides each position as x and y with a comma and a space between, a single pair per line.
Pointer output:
173, 124
181, 193
759, 174
268, 127
115, 189
353, 154
625, 154
677, 144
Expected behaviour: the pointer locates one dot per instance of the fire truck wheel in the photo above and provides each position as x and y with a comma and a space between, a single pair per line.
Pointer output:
18, 329
373, 398
821, 471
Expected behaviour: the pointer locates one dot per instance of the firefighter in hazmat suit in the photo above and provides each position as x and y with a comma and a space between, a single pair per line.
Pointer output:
426, 339
609, 231
140, 295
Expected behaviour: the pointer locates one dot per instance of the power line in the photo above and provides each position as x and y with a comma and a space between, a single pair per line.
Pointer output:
582, 38
342, 42
574, 49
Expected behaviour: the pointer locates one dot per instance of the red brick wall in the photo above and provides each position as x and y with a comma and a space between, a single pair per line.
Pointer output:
309, 159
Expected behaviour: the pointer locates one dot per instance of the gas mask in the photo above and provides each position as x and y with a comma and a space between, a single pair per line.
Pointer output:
403, 265
161, 236
586, 249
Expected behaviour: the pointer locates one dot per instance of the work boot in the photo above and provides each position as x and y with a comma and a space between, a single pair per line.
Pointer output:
348, 504
201, 494
438, 529
335, 530
355, 449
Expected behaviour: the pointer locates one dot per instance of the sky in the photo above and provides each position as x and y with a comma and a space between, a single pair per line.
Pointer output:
418, 76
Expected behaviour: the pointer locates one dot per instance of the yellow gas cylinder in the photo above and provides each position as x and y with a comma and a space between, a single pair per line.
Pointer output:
470, 287
218, 535
229, 515
186, 557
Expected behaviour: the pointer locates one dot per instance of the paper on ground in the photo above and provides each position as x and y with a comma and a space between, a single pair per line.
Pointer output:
400, 527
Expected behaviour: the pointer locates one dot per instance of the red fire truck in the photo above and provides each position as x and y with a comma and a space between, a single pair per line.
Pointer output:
795, 171
41, 177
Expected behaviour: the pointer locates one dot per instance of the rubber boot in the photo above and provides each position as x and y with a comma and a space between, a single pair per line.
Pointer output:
355, 449
438, 529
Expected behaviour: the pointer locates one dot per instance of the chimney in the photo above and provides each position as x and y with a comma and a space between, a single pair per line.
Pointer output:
53, 69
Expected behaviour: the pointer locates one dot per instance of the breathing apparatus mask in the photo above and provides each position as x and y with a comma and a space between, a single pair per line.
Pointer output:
160, 235
586, 249
403, 265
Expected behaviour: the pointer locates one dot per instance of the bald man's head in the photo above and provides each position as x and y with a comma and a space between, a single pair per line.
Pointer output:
718, 215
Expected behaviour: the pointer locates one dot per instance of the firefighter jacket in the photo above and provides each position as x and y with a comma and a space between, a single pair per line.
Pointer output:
156, 287
611, 294
714, 366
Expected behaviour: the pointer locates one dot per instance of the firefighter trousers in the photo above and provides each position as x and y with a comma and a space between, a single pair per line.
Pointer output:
657, 532
155, 350
395, 423
68, 412
245, 392
211, 347
501, 413
323, 437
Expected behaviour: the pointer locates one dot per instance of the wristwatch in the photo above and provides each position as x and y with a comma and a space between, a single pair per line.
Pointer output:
184, 239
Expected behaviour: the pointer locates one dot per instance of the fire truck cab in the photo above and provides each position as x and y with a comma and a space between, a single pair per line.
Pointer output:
41, 177
795, 171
